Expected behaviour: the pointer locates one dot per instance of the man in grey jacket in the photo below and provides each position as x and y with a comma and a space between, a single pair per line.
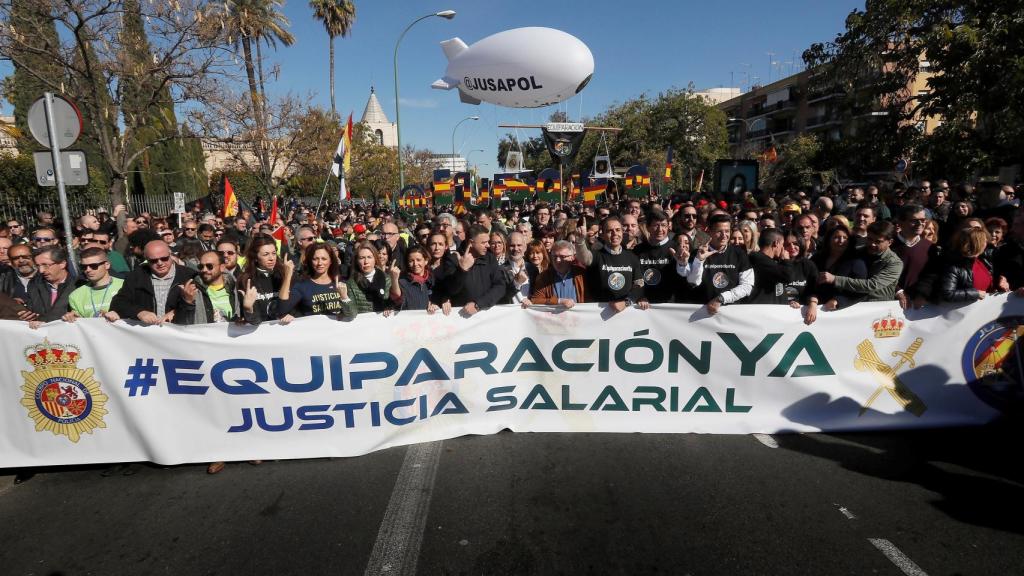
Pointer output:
884, 267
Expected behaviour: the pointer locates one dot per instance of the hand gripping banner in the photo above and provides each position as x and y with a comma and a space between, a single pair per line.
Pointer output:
92, 392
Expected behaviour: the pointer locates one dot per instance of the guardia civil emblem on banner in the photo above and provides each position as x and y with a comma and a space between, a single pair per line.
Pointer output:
887, 376
60, 396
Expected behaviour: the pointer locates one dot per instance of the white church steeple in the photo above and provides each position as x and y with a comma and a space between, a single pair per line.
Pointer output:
384, 131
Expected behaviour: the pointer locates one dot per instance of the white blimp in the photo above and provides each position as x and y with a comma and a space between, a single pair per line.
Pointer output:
519, 68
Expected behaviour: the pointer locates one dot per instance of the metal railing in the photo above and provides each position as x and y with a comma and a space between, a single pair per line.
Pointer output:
25, 210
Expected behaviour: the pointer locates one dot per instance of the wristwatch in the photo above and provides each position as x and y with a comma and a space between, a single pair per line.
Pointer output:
721, 299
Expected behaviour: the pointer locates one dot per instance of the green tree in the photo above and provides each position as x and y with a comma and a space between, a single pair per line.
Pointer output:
796, 165
163, 165
89, 50
243, 23
695, 130
18, 183
972, 50
337, 17
34, 73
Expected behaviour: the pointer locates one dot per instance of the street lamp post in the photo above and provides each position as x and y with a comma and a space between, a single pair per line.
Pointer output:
447, 15
453, 139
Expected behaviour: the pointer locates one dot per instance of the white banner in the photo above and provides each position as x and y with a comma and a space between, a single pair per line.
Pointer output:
93, 392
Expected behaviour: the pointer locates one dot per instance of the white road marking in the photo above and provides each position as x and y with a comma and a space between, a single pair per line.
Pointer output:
397, 549
896, 557
767, 440
846, 512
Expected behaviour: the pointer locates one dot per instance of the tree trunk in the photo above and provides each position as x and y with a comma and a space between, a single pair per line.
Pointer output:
116, 191
257, 109
334, 111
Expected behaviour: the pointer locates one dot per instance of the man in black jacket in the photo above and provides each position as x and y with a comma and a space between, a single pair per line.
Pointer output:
48, 290
773, 269
482, 282
153, 292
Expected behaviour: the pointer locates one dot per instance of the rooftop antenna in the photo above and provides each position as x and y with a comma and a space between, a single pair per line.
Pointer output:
771, 61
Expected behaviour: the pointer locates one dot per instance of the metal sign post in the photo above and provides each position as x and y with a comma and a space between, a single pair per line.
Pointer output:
58, 173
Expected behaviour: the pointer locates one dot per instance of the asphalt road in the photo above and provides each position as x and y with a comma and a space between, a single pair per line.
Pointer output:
929, 502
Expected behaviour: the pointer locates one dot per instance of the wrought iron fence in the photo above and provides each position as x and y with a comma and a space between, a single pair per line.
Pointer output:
25, 210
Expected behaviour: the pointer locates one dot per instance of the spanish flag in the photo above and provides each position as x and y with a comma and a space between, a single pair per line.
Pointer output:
230, 201
668, 165
590, 194
771, 155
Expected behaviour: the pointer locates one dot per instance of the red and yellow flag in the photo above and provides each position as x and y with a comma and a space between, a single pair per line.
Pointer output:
230, 201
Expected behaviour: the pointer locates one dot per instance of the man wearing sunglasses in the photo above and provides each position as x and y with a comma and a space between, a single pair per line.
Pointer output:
227, 249
17, 231
15, 282
49, 290
43, 236
212, 297
93, 300
118, 265
687, 224
153, 292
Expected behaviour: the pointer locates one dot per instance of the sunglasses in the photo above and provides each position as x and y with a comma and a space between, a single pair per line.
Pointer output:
208, 266
161, 260
95, 266
226, 252
42, 239
22, 257
187, 229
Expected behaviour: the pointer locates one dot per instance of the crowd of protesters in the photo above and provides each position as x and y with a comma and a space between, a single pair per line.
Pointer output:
811, 250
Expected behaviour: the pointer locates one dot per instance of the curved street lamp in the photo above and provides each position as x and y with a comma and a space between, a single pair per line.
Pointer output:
447, 15
453, 139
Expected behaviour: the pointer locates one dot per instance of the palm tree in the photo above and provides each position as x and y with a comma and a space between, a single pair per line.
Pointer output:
246, 21
338, 17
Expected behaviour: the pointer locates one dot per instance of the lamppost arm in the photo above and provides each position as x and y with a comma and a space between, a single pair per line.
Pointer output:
446, 14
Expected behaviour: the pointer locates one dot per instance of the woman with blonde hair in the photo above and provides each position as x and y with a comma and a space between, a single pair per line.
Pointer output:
750, 235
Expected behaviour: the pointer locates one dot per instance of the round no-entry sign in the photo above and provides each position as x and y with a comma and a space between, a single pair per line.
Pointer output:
65, 116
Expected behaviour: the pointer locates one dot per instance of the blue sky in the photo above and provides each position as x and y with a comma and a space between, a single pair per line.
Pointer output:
638, 46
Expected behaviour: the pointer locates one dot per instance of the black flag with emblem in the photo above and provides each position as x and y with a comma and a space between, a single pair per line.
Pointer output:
563, 146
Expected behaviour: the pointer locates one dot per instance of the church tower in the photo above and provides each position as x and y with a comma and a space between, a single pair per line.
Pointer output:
382, 130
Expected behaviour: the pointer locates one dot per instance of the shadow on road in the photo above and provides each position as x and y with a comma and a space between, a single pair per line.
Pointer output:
975, 469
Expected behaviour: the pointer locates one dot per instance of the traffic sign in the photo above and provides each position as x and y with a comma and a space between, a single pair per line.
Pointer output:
66, 118
75, 171
901, 165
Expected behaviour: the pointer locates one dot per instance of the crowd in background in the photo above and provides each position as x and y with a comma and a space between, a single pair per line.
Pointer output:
811, 249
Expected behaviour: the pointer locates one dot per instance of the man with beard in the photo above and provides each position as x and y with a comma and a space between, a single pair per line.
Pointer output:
15, 282
687, 223
213, 297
